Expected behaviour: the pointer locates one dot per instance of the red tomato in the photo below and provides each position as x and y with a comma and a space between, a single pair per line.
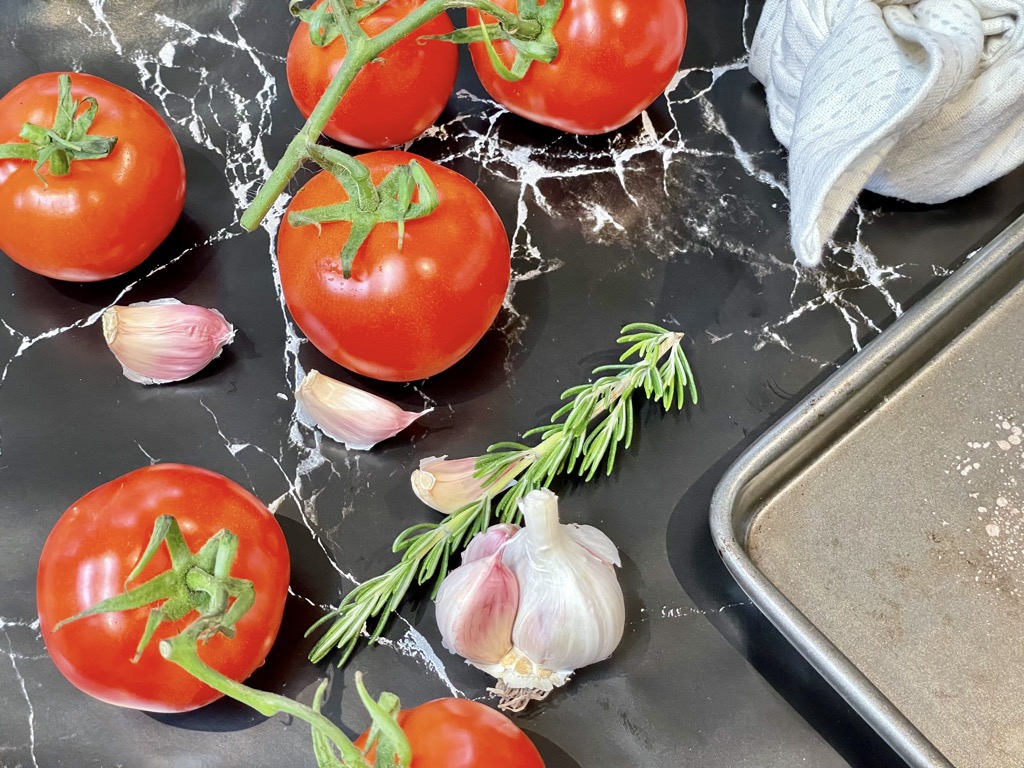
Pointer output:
388, 103
458, 733
106, 216
403, 314
96, 544
615, 58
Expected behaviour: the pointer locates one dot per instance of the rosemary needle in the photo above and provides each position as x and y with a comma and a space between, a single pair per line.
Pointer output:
583, 437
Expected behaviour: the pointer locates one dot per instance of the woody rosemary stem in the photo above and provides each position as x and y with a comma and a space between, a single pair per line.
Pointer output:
583, 437
361, 50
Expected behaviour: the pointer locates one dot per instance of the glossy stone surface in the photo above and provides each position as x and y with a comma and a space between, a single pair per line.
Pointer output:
679, 218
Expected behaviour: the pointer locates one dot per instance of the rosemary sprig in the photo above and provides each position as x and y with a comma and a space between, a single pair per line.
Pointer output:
583, 436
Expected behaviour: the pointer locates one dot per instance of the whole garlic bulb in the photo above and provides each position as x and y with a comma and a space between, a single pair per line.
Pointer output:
566, 612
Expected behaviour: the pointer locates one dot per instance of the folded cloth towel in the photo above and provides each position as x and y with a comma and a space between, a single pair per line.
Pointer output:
917, 99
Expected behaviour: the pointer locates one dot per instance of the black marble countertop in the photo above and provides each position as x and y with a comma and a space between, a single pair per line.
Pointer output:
679, 218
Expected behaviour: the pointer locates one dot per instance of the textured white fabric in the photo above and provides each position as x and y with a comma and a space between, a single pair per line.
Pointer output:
917, 99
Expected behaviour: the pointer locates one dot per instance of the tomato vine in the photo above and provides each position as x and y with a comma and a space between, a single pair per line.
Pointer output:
340, 18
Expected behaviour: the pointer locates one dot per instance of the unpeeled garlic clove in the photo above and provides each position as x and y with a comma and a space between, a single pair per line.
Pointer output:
476, 609
349, 415
447, 485
158, 342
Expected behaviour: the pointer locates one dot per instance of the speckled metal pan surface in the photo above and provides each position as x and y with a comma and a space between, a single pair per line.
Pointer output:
879, 525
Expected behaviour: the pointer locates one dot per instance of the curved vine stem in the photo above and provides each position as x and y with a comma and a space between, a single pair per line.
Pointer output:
362, 49
182, 649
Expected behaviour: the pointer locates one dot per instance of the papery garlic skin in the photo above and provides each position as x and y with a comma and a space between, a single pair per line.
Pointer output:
595, 542
570, 613
356, 418
476, 609
162, 341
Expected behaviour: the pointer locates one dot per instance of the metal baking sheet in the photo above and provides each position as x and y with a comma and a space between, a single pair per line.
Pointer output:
880, 525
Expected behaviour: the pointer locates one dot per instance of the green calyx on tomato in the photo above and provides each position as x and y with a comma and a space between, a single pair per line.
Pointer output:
237, 617
320, 82
201, 582
406, 193
616, 57
328, 20
460, 733
531, 35
324, 27
401, 315
66, 141
196, 582
384, 734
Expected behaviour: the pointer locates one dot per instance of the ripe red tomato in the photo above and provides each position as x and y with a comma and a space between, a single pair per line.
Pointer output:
96, 544
615, 58
390, 102
403, 314
458, 733
106, 216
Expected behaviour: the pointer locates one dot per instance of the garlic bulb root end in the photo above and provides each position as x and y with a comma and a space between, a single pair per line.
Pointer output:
515, 699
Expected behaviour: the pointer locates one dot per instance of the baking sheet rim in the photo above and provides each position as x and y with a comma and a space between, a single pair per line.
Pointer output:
824, 401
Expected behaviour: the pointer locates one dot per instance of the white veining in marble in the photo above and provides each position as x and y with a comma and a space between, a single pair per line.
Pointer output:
14, 656
229, 121
101, 19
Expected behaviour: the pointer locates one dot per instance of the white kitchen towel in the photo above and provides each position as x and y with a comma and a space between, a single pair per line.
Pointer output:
917, 99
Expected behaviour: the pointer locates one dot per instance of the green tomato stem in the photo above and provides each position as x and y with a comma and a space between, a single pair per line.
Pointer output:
196, 581
181, 650
361, 50
350, 29
297, 151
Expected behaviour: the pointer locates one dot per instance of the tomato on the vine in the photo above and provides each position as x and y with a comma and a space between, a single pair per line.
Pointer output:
105, 216
406, 312
615, 57
391, 101
93, 549
459, 733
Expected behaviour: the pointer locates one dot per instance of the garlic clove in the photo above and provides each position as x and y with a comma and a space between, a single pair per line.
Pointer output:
571, 609
158, 342
349, 415
447, 485
490, 541
595, 542
476, 608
